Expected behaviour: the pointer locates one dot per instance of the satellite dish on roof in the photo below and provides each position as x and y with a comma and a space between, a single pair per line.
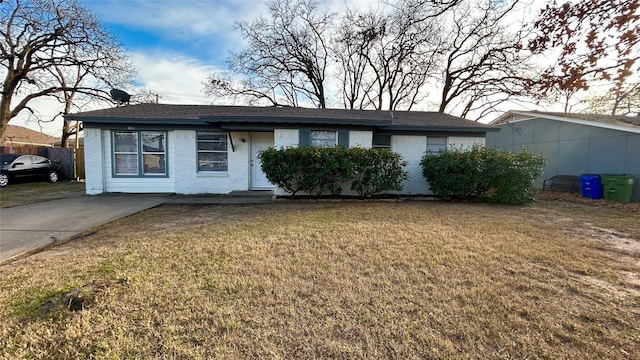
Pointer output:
119, 96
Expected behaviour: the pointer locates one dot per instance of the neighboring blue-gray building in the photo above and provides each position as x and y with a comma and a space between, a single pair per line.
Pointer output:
574, 143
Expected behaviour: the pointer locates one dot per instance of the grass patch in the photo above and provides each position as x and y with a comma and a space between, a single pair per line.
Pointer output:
29, 193
342, 280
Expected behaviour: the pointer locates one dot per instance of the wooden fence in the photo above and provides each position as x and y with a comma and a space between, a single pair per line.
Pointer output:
71, 160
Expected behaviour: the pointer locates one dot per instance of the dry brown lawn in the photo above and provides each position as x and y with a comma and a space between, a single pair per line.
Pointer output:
29, 193
350, 280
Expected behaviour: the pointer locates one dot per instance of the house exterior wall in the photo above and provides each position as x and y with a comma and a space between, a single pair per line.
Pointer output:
363, 139
285, 138
183, 177
572, 149
181, 166
465, 143
137, 184
94, 171
189, 181
412, 148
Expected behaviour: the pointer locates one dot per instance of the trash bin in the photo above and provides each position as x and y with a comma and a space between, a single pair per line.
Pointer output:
591, 186
618, 187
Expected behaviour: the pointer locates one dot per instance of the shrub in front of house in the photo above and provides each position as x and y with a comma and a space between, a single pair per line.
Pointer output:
376, 171
319, 171
482, 174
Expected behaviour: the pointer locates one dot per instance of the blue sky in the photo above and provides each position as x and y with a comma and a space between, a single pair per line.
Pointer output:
174, 44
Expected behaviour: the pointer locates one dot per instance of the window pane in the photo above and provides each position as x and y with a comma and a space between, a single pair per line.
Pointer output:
39, 160
126, 164
436, 144
152, 141
212, 151
382, 141
214, 161
153, 164
212, 136
125, 141
212, 146
323, 138
25, 160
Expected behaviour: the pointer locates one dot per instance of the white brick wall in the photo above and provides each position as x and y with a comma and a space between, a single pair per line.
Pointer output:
286, 138
412, 148
182, 162
93, 162
182, 167
138, 184
190, 181
464, 143
363, 139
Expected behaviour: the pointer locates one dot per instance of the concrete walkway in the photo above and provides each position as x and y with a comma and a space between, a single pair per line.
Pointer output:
27, 228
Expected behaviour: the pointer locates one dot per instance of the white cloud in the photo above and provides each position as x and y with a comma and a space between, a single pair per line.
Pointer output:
177, 78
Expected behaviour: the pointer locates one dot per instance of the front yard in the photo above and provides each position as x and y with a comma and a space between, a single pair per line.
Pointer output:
33, 192
361, 280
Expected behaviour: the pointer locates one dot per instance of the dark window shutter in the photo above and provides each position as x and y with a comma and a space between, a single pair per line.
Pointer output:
343, 138
304, 138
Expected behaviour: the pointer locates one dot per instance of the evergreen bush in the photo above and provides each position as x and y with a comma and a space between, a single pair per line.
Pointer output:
483, 174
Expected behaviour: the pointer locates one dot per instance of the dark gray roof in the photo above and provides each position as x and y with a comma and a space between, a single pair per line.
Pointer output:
619, 120
209, 114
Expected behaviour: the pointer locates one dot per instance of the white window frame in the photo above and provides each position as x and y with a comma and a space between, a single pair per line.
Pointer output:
378, 146
207, 151
139, 154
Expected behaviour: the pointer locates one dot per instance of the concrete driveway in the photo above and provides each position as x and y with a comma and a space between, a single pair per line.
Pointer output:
28, 227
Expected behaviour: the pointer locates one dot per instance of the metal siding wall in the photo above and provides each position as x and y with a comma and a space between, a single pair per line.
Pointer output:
573, 157
607, 155
490, 140
570, 131
573, 149
546, 131
550, 151
504, 138
632, 159
632, 162
523, 132
605, 133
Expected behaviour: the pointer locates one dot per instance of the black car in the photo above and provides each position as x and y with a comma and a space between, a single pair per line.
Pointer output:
15, 166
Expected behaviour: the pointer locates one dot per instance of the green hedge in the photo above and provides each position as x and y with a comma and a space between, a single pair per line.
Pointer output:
320, 171
483, 174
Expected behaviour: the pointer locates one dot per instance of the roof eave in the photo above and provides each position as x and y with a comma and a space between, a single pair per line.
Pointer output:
533, 115
295, 120
442, 128
141, 121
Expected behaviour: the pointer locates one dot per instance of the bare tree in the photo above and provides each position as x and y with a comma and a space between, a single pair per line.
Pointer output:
286, 56
484, 64
391, 53
55, 48
616, 102
146, 96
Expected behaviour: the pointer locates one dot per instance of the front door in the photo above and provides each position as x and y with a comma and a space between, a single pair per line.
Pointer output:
259, 141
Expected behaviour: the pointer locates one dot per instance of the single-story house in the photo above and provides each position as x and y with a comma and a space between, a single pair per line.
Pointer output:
16, 136
191, 149
575, 144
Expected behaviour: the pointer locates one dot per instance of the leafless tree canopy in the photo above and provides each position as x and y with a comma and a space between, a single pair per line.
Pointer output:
286, 57
391, 57
484, 64
616, 101
55, 48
